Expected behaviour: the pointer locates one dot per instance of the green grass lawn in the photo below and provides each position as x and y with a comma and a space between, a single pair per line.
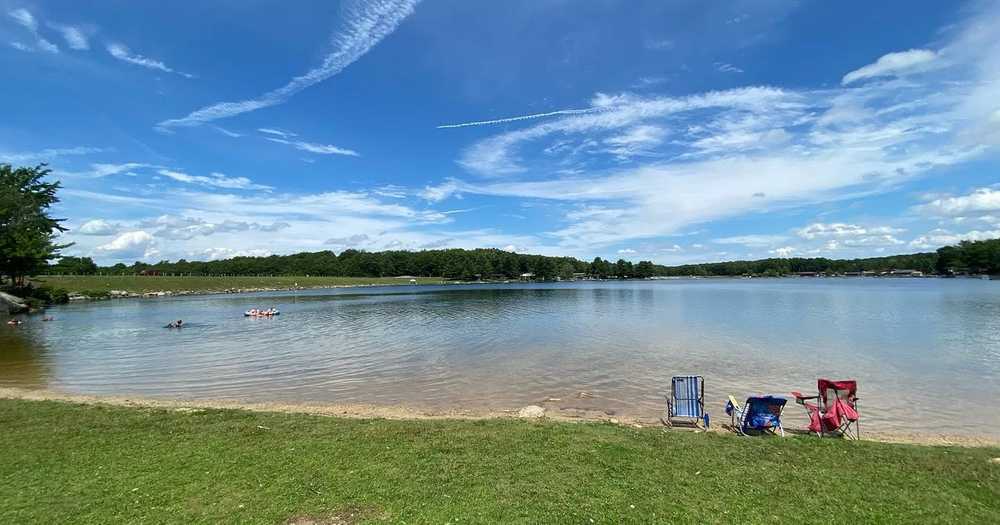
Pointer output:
67, 463
141, 284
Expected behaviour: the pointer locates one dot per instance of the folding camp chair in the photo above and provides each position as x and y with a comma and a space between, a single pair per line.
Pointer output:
760, 413
835, 410
686, 403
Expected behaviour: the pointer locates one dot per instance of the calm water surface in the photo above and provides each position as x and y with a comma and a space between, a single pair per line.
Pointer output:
925, 351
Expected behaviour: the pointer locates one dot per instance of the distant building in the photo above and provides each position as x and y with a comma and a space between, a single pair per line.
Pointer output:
808, 274
527, 276
906, 273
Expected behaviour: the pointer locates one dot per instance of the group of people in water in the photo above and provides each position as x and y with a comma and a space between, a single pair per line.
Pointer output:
261, 312
15, 322
253, 312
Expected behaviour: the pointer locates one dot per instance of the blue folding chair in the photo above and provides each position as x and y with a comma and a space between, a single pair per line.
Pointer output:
759, 413
686, 403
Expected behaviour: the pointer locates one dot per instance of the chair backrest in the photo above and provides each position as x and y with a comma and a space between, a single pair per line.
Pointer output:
763, 412
688, 394
830, 390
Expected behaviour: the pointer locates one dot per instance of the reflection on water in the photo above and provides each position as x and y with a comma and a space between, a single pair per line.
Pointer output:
923, 350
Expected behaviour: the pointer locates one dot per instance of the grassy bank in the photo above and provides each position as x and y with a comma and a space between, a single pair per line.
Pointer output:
146, 284
66, 463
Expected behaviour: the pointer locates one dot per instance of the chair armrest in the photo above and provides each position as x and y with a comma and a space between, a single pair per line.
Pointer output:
801, 399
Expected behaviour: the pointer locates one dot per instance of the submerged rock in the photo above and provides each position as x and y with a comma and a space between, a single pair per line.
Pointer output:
12, 304
531, 411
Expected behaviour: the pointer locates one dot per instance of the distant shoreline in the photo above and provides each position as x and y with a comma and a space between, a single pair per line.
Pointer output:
96, 287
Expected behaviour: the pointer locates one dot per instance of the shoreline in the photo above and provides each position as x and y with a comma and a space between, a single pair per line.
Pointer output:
408, 413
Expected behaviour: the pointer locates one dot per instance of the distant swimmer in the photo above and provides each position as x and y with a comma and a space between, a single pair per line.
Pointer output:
176, 324
14, 322
49, 318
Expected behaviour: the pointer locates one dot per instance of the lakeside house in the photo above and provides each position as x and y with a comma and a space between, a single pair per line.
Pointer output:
904, 273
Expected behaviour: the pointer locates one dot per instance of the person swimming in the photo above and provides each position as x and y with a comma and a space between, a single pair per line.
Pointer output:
14, 322
176, 324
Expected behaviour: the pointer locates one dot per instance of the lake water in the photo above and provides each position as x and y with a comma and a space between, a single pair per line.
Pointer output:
926, 352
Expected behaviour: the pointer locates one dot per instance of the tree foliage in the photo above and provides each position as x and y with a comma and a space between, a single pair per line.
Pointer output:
493, 264
27, 232
971, 257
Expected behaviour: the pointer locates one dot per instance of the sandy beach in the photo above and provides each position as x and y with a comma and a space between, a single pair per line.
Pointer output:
400, 412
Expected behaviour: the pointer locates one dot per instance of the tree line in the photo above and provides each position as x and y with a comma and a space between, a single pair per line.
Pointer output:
492, 264
28, 245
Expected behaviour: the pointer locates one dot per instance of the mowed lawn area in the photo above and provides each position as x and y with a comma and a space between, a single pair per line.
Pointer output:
145, 284
70, 463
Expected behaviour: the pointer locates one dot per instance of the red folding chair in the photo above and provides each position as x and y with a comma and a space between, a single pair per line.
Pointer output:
835, 409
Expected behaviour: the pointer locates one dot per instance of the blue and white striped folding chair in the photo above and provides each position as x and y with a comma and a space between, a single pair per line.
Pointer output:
686, 403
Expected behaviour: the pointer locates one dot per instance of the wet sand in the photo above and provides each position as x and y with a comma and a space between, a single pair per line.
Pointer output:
399, 412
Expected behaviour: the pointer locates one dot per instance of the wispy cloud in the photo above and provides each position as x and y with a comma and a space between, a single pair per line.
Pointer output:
48, 154
215, 180
122, 52
228, 133
745, 150
319, 149
893, 64
981, 201
281, 136
24, 18
277, 132
723, 67
364, 25
74, 36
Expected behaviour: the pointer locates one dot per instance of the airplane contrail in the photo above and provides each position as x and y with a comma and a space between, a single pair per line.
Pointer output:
522, 117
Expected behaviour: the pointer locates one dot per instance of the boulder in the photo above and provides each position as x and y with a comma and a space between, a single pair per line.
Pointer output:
531, 411
12, 304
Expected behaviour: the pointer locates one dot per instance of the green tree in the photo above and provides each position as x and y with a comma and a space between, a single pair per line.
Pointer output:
27, 232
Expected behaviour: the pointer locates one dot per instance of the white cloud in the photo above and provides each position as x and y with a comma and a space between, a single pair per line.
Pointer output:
216, 180
842, 230
941, 237
441, 191
980, 201
130, 245
364, 25
636, 141
46, 155
278, 132
626, 251
24, 18
723, 67
214, 254
783, 252
186, 228
47, 46
122, 52
74, 36
893, 64
228, 133
754, 241
98, 227
320, 149
98, 170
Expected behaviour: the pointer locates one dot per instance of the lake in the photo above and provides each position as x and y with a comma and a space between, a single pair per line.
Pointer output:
926, 352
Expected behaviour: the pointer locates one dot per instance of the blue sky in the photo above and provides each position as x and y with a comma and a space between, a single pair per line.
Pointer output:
669, 131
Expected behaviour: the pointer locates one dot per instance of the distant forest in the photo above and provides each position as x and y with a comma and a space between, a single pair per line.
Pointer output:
979, 257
